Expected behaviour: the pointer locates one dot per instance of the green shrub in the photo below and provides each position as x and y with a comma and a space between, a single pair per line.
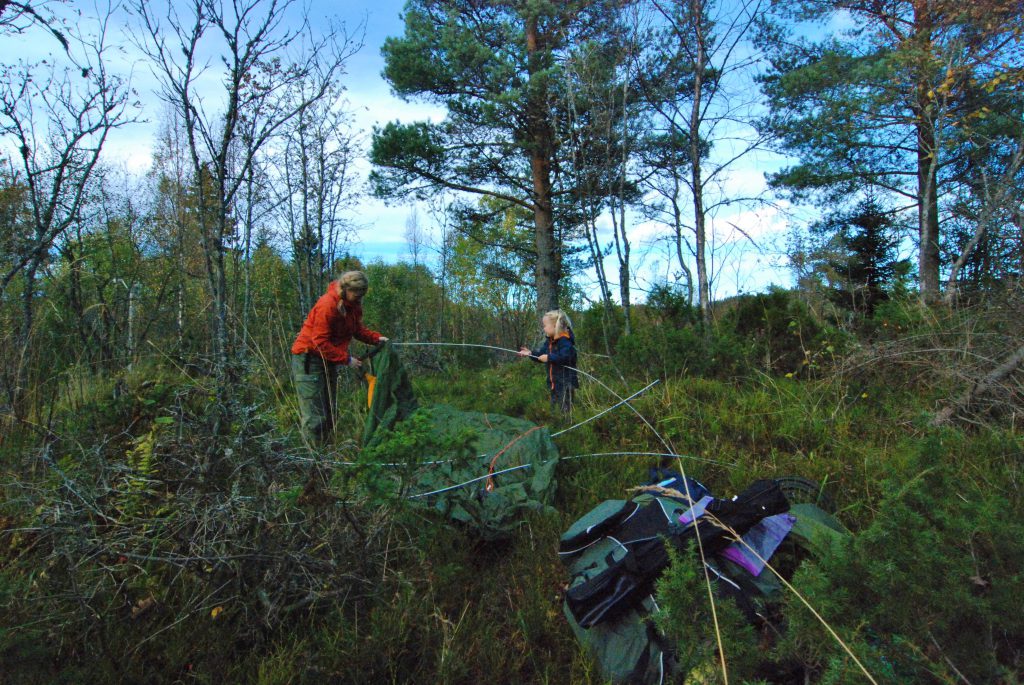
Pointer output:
895, 318
666, 352
929, 588
598, 329
687, 622
784, 336
773, 332
671, 307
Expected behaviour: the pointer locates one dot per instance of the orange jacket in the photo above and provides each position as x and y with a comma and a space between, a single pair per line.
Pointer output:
327, 331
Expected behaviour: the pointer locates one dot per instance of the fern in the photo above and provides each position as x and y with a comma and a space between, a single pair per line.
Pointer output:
141, 462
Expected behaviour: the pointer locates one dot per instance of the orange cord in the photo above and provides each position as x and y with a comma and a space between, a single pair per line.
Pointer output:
490, 471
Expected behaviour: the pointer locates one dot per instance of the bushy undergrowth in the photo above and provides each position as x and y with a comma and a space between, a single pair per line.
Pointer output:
117, 562
688, 623
774, 332
123, 564
929, 590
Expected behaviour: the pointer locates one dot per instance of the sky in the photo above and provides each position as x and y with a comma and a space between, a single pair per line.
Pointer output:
750, 243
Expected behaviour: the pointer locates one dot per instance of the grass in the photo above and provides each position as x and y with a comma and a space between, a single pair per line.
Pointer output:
444, 607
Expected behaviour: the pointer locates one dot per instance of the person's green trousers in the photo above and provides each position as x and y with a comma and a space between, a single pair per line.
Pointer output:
316, 381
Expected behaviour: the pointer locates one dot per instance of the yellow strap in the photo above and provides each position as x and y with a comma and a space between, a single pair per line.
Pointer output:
372, 381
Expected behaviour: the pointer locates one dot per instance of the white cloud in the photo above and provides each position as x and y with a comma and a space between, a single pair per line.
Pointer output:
745, 225
382, 223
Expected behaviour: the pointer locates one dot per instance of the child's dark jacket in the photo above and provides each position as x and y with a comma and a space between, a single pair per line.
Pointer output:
561, 352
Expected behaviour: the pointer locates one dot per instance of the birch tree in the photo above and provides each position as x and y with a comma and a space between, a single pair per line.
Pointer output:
55, 117
274, 67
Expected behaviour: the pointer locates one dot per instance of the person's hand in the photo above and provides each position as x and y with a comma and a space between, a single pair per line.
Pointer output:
542, 358
354, 362
523, 352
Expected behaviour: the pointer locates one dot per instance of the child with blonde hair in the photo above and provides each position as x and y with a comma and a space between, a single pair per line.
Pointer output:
558, 352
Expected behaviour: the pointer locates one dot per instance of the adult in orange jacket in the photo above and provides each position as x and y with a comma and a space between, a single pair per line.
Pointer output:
322, 346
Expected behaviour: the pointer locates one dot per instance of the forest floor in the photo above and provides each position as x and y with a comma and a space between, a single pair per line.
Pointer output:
120, 563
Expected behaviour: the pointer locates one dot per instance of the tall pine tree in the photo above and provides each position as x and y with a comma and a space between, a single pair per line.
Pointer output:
880, 106
496, 67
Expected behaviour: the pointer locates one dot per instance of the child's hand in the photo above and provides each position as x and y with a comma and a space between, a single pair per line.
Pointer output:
523, 352
542, 358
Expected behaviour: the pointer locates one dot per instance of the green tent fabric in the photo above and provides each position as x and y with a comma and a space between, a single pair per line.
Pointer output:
393, 399
816, 528
516, 442
481, 439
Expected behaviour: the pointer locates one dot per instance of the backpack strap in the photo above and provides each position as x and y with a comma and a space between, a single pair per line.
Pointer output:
596, 524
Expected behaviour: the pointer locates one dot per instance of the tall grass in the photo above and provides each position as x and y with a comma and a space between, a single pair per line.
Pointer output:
402, 595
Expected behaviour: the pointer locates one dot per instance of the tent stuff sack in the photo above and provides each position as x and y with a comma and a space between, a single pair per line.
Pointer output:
484, 470
617, 551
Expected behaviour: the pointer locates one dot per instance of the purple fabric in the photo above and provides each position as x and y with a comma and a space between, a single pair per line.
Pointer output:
696, 511
765, 537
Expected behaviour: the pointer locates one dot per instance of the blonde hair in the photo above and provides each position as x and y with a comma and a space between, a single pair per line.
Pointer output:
354, 282
561, 319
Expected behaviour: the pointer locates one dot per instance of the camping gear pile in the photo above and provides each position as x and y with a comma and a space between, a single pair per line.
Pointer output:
495, 467
617, 551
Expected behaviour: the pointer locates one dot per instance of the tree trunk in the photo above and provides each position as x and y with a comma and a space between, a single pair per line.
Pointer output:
677, 219
927, 210
220, 312
24, 339
181, 224
179, 319
624, 270
952, 285
696, 175
622, 254
541, 136
247, 263
927, 171
703, 284
76, 298
222, 414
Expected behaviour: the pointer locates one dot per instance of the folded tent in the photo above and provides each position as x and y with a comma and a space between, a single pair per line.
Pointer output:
520, 455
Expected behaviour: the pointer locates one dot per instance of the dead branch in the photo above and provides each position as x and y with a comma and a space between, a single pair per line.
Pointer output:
980, 388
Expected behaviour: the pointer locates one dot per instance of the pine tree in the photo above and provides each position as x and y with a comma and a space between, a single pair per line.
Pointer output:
882, 106
495, 66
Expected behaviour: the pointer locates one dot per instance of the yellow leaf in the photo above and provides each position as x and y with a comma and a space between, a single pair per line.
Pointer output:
864, 396
142, 606
216, 612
